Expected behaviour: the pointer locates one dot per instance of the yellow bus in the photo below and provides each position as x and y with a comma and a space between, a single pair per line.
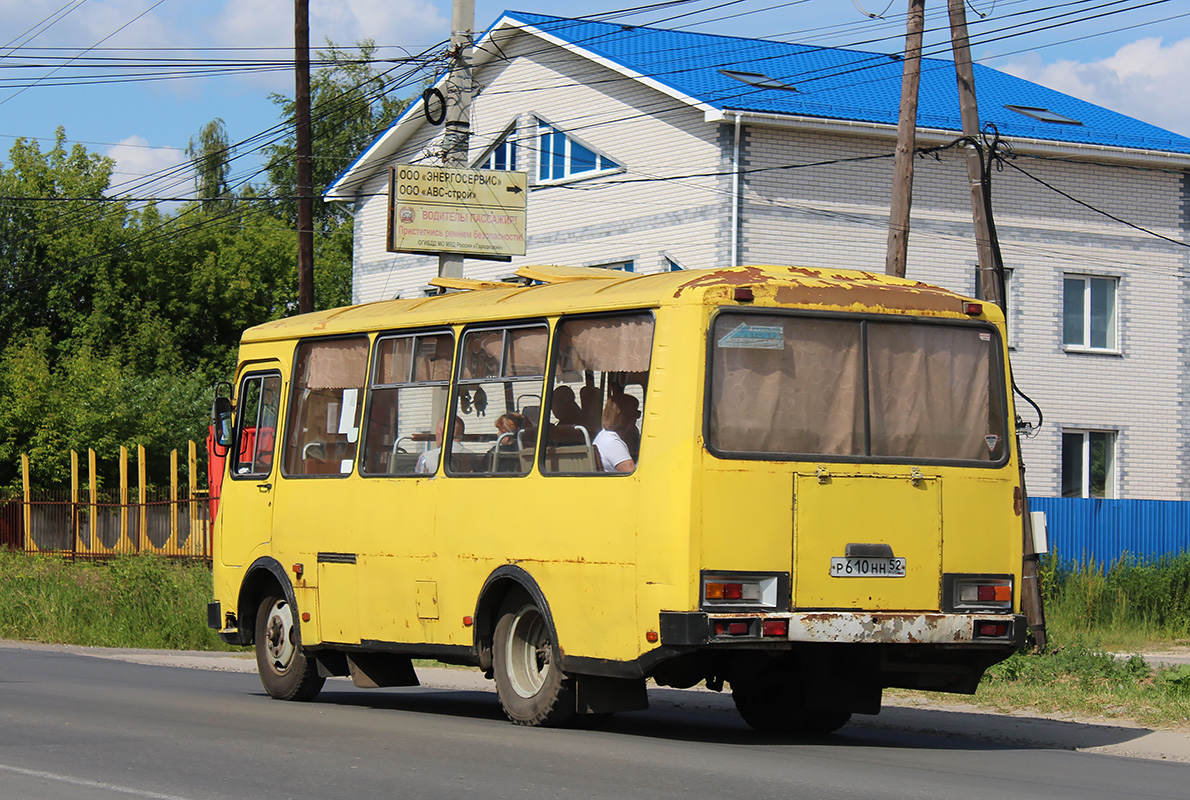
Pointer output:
801, 483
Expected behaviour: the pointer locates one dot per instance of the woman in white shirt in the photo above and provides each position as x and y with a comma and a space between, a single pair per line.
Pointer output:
619, 423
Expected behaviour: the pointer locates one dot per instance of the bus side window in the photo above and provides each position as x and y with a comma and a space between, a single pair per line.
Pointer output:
501, 373
597, 394
407, 405
325, 407
260, 396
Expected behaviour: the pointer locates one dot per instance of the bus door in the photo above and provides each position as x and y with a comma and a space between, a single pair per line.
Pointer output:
318, 516
247, 496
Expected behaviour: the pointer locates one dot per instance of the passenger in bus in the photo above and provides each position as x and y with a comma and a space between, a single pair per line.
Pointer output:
568, 416
427, 462
619, 427
509, 425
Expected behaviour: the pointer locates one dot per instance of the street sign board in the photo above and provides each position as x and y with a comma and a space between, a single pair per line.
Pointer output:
473, 212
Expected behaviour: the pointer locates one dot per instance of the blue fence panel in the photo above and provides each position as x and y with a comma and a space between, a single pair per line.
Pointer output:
1084, 530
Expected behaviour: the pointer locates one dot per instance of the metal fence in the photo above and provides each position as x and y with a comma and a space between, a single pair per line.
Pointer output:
84, 521
1087, 530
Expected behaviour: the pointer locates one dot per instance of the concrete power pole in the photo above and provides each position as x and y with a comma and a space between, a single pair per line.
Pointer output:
302, 154
457, 137
902, 199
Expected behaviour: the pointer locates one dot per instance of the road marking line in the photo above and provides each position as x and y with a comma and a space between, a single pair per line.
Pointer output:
51, 776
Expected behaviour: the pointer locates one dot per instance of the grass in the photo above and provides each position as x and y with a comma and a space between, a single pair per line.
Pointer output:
136, 601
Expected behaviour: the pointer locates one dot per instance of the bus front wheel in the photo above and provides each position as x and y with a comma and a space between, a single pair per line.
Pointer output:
531, 687
285, 671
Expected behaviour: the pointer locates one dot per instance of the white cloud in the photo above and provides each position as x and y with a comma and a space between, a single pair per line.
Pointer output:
1145, 79
145, 171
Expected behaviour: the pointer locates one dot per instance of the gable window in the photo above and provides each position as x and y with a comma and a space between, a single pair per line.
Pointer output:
1088, 463
623, 266
560, 156
1089, 313
502, 156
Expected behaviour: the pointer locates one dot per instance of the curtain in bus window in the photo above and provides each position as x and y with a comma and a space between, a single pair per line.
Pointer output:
392, 360
526, 351
786, 385
432, 361
930, 388
324, 413
608, 345
482, 351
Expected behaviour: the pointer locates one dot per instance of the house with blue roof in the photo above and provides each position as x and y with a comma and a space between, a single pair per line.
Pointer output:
650, 150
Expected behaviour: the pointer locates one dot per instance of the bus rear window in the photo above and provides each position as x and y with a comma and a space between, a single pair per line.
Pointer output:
789, 386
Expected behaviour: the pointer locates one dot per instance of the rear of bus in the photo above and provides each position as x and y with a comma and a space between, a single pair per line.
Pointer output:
859, 503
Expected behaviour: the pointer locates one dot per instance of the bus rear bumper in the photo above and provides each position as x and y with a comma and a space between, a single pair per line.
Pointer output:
842, 627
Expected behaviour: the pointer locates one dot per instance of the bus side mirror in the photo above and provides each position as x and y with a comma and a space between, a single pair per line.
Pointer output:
221, 421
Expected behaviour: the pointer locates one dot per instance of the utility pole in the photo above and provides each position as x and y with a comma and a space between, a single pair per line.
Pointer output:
902, 199
969, 112
302, 154
457, 137
989, 282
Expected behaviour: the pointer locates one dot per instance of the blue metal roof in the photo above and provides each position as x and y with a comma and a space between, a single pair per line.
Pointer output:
838, 84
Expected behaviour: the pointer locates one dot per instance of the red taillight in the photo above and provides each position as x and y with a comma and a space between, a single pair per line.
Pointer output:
973, 309
733, 591
987, 594
774, 627
743, 294
737, 628
992, 629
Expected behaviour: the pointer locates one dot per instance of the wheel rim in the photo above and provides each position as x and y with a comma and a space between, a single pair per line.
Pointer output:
278, 637
529, 652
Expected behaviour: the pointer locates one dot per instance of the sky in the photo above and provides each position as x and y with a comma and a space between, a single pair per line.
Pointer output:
1132, 56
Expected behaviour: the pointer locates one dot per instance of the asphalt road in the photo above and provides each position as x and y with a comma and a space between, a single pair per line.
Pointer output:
79, 726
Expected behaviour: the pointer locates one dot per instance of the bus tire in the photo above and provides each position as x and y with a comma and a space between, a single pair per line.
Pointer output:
285, 671
531, 687
773, 703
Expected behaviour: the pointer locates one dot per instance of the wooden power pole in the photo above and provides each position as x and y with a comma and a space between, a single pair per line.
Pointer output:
302, 155
457, 138
902, 199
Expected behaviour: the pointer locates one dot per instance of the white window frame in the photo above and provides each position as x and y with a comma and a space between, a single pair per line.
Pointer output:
508, 140
544, 156
1109, 477
1113, 330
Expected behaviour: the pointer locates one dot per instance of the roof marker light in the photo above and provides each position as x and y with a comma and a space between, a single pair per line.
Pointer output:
973, 309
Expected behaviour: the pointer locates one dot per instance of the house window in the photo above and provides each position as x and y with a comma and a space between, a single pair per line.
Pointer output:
560, 156
502, 156
1089, 313
1088, 463
623, 266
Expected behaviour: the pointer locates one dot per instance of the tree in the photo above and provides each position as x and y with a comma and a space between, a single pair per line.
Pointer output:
211, 157
351, 103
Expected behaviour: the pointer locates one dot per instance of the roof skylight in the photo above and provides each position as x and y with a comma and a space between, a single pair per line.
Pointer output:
1043, 114
757, 79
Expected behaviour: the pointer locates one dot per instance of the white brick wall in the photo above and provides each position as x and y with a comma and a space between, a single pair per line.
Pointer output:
836, 216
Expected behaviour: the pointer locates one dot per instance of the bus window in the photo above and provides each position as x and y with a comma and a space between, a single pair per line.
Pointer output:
324, 411
410, 380
597, 394
931, 393
498, 402
790, 385
259, 399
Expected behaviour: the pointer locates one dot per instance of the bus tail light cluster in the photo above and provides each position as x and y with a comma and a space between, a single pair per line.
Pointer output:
752, 628
742, 590
978, 592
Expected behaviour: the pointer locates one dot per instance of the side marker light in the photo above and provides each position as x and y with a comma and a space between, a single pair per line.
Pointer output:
651, 637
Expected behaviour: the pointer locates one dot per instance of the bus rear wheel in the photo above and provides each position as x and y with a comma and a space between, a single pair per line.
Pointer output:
531, 687
285, 671
773, 702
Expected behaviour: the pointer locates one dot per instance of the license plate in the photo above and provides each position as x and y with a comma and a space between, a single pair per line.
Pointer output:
867, 567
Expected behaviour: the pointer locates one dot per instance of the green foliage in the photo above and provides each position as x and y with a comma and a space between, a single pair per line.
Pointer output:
137, 601
1149, 599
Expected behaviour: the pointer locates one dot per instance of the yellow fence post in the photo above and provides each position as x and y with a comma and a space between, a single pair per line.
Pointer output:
173, 496
123, 496
142, 528
74, 500
195, 539
93, 487
27, 510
